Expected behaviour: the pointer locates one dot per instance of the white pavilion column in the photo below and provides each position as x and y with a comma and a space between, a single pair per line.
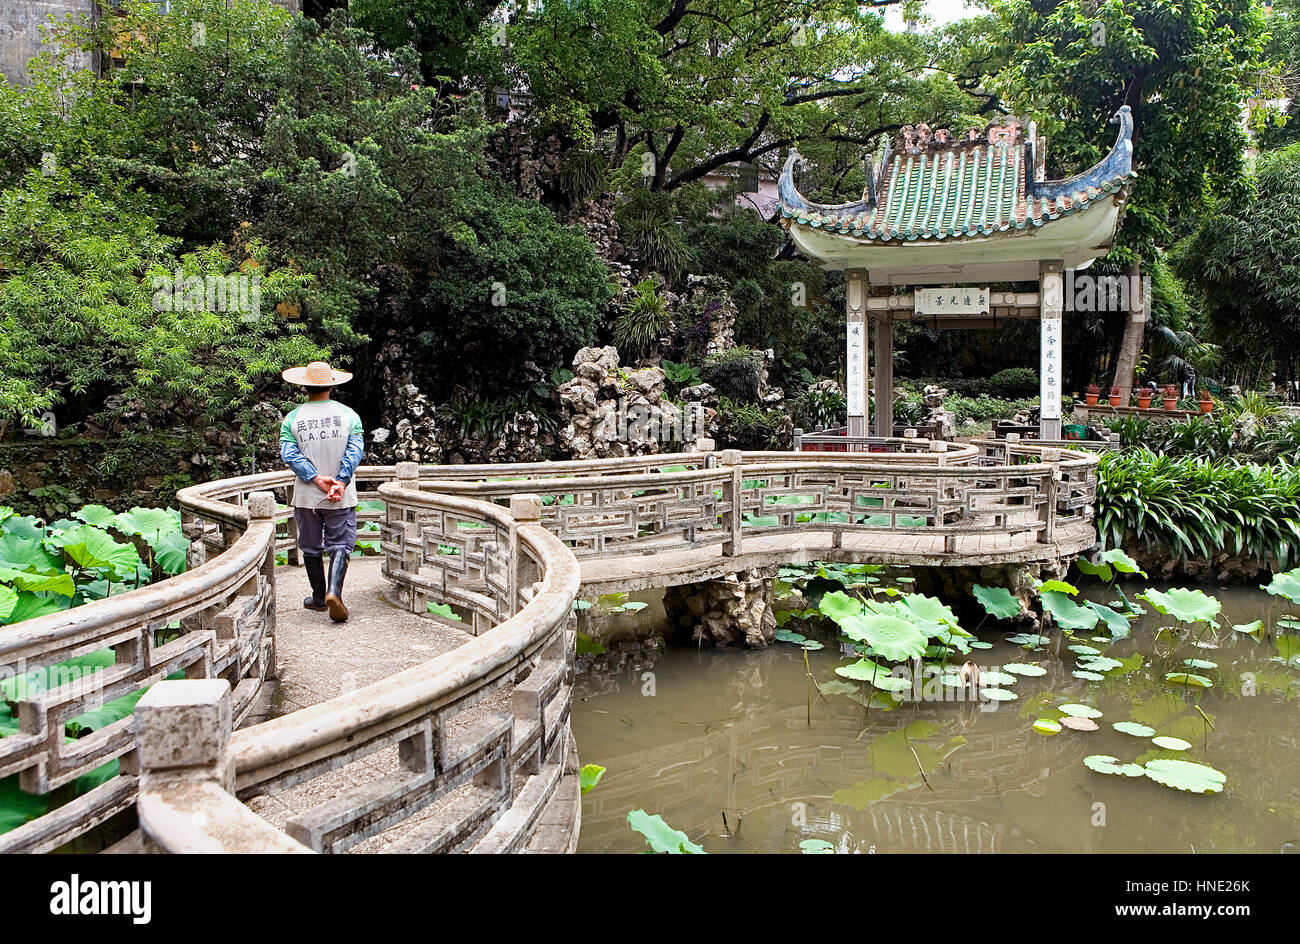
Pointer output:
1049, 375
856, 374
884, 375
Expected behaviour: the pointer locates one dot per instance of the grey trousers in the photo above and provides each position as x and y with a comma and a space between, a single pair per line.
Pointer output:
326, 530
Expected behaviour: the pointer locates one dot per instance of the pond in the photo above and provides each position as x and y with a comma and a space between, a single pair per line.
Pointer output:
738, 750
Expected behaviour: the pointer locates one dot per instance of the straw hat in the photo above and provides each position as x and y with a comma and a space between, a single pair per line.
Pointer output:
316, 374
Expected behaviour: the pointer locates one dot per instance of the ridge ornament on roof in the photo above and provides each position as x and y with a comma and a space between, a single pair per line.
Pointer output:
932, 186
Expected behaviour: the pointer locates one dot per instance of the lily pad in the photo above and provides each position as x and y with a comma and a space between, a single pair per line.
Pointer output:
1105, 764
1088, 676
816, 847
1120, 561
1047, 726
1099, 663
1134, 728
1028, 639
1285, 585
993, 677
1079, 724
1067, 613
660, 836
1185, 775
1171, 743
1024, 668
1252, 627
1200, 664
1188, 678
998, 694
1079, 711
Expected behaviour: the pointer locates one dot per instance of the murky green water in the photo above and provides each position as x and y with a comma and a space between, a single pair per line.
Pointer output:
697, 736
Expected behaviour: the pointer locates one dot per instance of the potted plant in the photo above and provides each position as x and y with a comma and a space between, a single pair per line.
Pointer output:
1171, 397
1116, 396
1094, 392
1204, 401
1144, 398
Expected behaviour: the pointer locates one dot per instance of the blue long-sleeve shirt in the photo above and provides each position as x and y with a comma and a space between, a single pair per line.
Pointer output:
322, 437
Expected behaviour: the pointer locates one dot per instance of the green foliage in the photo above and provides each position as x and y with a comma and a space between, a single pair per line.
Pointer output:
736, 373
819, 408
639, 328
1241, 259
661, 837
1193, 507
748, 426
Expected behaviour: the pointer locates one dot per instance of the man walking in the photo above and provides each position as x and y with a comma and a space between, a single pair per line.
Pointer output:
322, 442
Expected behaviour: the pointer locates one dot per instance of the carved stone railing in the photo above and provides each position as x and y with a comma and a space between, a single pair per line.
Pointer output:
214, 622
988, 488
473, 537
479, 782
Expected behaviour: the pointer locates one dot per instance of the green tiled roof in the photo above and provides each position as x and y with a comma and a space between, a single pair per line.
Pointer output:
939, 189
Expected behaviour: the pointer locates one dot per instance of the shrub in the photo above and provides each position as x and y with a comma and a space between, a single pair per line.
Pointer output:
749, 426
736, 373
1192, 506
638, 329
819, 409
1013, 383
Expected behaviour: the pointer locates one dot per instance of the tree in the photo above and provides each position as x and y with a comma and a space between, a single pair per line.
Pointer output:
1242, 261
1184, 69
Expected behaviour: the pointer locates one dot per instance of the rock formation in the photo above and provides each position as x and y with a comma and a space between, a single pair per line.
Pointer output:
733, 611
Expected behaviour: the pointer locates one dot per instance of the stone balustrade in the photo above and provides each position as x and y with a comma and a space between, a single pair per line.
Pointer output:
500, 543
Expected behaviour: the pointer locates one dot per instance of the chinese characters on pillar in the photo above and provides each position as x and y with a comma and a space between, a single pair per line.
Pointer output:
855, 381
1050, 370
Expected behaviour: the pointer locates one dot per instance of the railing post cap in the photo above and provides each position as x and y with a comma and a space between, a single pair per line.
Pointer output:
909, 433
705, 444
1050, 455
729, 457
526, 507
938, 445
1013, 437
408, 471
183, 723
261, 505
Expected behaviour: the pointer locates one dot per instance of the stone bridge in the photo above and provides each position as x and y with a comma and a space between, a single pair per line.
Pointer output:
470, 749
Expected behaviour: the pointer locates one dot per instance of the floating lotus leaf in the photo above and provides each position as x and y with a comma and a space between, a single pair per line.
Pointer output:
1285, 585
1047, 726
660, 836
1099, 663
1134, 728
864, 670
1058, 586
1171, 743
1079, 711
1067, 613
1084, 650
1184, 605
1079, 724
993, 677
1185, 775
1188, 678
1028, 639
1201, 644
1289, 623
998, 694
1105, 764
1089, 676
1120, 561
998, 602
979, 644
786, 635
1024, 668
816, 847
1252, 627
952, 681
1200, 664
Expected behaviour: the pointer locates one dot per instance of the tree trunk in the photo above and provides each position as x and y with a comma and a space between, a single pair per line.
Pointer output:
1130, 348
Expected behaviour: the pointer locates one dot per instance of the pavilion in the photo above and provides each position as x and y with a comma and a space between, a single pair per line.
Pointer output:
960, 213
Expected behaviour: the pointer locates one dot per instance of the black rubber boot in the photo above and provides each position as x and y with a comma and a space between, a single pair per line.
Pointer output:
334, 598
314, 564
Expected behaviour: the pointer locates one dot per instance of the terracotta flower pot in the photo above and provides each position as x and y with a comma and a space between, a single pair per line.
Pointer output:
1144, 401
1115, 399
1207, 406
1091, 398
1170, 403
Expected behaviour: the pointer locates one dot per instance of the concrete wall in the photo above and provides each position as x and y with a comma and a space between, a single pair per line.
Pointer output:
20, 37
